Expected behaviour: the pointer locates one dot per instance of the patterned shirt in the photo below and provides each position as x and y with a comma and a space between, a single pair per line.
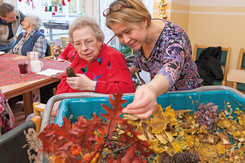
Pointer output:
6, 116
171, 57
39, 46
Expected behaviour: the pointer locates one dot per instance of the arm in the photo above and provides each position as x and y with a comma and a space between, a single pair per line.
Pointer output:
68, 54
22, 16
145, 102
40, 46
63, 87
64, 54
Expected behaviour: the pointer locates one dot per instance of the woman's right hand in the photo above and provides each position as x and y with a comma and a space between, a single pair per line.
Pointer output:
145, 99
144, 103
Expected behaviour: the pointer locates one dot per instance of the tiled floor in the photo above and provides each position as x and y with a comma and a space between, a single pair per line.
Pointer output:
19, 114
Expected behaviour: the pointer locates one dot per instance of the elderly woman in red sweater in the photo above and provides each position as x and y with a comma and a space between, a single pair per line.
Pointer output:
98, 67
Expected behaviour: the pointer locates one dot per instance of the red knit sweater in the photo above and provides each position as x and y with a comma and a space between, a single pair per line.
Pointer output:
109, 70
68, 54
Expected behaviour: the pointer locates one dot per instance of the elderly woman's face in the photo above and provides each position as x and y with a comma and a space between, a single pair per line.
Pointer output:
86, 44
26, 24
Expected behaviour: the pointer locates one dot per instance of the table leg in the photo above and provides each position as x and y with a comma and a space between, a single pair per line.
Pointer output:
28, 103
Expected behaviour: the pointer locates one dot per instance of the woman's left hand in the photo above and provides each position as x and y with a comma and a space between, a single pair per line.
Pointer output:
81, 82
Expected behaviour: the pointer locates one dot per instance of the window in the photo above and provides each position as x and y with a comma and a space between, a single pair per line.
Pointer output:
52, 11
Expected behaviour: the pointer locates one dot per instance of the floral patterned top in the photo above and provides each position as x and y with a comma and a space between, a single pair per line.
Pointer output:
6, 115
171, 57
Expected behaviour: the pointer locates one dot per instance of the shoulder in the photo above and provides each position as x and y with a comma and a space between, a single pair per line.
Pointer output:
110, 51
37, 34
20, 15
20, 35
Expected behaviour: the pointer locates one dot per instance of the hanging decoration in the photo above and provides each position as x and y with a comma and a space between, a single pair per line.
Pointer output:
54, 6
162, 8
63, 2
28, 2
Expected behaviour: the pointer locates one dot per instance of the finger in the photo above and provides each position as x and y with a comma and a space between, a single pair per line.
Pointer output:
144, 116
135, 110
143, 102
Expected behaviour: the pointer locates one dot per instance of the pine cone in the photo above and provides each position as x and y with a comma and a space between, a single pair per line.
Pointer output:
70, 72
186, 157
165, 158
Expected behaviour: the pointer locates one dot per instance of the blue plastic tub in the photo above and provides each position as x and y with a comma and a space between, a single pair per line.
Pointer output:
74, 108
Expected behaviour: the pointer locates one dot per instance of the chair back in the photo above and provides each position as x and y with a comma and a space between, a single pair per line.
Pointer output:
12, 142
241, 61
50, 49
240, 66
224, 60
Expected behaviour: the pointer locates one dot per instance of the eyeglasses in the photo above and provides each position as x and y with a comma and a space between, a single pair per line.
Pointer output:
7, 19
87, 43
115, 8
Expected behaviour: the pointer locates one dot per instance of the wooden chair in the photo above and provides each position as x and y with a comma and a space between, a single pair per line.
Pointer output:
224, 60
50, 51
240, 66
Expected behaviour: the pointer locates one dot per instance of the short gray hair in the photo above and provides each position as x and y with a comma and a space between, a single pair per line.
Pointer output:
5, 8
35, 21
85, 21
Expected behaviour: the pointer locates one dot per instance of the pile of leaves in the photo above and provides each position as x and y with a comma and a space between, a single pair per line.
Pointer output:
96, 140
168, 136
206, 136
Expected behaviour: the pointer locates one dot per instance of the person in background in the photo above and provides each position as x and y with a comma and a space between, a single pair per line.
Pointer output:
98, 68
7, 121
163, 48
68, 54
32, 39
10, 20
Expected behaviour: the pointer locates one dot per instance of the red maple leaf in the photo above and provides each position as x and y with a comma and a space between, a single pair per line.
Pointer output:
90, 136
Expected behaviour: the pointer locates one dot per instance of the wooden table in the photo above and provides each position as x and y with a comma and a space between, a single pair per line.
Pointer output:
235, 75
23, 87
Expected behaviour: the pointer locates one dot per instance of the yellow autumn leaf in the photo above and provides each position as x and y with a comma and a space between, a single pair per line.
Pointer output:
158, 112
177, 147
149, 135
169, 115
154, 145
158, 124
241, 120
142, 137
161, 139
169, 136
130, 117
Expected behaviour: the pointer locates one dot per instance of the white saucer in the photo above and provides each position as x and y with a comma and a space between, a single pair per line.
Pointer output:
1, 52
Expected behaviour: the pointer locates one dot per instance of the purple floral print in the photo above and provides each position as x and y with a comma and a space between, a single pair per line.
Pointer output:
171, 57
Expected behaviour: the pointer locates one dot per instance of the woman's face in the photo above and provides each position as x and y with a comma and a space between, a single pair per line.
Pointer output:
133, 36
86, 44
26, 24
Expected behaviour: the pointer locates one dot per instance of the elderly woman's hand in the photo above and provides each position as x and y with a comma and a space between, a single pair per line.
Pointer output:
81, 82
144, 103
55, 109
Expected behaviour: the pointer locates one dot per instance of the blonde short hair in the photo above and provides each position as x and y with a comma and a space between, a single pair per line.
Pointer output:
134, 11
85, 21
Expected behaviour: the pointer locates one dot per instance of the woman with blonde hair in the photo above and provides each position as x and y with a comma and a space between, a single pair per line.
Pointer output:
32, 39
163, 48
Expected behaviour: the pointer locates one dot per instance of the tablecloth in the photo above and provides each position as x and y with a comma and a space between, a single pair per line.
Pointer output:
9, 71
